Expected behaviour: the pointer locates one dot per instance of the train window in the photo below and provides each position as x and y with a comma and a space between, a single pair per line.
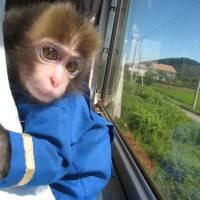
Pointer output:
152, 91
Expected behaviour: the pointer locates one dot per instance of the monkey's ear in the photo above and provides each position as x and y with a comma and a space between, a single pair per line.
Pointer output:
11, 21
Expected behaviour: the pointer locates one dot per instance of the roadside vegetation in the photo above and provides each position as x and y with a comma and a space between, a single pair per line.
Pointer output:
168, 137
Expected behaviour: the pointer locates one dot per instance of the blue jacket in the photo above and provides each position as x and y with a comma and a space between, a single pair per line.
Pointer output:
65, 144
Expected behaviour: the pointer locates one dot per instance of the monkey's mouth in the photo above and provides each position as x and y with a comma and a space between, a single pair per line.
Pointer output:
45, 94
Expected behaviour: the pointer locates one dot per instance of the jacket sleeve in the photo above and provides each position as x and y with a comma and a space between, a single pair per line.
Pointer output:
36, 158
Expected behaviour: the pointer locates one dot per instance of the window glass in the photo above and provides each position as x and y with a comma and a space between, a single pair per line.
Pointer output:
155, 99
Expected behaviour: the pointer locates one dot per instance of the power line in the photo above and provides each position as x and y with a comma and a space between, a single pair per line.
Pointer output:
185, 11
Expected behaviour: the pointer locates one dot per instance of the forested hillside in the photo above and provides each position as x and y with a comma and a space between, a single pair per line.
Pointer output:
185, 67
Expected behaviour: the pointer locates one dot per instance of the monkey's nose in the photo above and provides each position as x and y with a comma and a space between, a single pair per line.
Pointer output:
54, 82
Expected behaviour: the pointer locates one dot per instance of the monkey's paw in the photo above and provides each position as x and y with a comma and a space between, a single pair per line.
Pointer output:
4, 152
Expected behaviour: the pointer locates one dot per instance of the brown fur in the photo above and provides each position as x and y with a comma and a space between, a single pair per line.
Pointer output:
62, 23
58, 21
4, 153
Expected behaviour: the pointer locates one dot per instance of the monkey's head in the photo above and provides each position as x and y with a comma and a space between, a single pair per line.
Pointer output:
49, 49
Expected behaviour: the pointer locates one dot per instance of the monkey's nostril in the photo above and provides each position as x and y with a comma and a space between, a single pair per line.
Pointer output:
54, 82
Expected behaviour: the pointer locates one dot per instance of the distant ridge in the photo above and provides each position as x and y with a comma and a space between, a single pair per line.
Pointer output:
185, 67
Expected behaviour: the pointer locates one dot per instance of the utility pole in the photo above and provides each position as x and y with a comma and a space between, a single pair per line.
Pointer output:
134, 54
196, 96
140, 61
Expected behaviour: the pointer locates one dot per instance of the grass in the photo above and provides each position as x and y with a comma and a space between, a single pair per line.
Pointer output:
182, 96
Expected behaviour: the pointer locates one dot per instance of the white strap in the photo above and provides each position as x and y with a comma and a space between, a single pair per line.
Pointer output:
9, 119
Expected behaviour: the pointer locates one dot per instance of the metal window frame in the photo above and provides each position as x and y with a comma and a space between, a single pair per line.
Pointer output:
106, 25
111, 50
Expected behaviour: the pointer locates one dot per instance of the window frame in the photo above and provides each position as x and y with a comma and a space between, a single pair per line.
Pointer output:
132, 176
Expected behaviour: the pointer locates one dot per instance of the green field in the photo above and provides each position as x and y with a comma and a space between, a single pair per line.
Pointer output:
182, 95
170, 139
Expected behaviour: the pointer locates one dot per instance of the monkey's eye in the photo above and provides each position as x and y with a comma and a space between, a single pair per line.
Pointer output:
72, 67
50, 53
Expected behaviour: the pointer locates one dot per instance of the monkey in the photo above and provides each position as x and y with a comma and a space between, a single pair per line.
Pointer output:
49, 51
49, 46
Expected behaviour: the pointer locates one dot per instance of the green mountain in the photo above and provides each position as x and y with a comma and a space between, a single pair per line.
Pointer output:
186, 68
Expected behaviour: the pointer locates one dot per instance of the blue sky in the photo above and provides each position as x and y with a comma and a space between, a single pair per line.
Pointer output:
168, 28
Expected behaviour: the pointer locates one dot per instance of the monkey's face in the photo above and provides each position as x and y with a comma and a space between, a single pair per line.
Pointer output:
55, 67
50, 48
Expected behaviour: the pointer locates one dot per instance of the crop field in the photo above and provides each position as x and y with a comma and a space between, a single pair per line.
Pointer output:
184, 96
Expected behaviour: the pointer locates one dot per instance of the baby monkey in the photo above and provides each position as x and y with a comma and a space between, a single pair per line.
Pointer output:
49, 51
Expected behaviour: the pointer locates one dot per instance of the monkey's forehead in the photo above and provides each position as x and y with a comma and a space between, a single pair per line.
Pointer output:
63, 24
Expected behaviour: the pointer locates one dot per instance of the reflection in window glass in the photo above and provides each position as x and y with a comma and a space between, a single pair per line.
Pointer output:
156, 102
